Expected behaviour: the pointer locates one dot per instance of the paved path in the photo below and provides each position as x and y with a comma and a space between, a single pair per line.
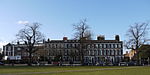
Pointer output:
82, 70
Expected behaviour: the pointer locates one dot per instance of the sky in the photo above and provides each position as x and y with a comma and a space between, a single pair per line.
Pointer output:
105, 17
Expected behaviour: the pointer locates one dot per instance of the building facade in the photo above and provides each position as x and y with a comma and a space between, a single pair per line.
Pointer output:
18, 52
94, 51
66, 51
10, 51
130, 54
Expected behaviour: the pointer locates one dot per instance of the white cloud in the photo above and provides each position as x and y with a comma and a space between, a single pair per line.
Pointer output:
23, 22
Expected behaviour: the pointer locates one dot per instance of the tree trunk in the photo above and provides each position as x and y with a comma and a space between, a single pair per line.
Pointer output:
82, 53
30, 59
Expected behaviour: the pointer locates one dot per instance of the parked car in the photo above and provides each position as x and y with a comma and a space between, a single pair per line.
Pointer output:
132, 63
35, 63
56, 63
115, 64
1, 63
123, 64
101, 64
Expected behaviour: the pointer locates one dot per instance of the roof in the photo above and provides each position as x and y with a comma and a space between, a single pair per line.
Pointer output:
86, 41
145, 47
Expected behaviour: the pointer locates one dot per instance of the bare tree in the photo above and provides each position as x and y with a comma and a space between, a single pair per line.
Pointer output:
82, 30
136, 35
82, 34
31, 36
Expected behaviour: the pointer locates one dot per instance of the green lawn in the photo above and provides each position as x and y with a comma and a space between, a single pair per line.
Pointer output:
76, 70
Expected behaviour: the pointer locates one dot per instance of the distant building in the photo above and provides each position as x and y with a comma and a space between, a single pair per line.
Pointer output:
95, 51
18, 52
66, 51
130, 54
144, 51
1, 50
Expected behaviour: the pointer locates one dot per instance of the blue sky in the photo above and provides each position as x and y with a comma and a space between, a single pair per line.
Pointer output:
105, 17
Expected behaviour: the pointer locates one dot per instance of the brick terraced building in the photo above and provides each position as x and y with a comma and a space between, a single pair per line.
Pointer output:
94, 51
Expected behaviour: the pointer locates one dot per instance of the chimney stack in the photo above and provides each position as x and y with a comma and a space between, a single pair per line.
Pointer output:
48, 40
117, 38
18, 43
126, 52
65, 38
101, 37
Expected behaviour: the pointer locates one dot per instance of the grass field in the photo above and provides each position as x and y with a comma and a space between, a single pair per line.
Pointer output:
74, 70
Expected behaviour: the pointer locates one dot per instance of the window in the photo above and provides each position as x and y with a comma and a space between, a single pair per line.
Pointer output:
104, 52
112, 52
89, 52
117, 45
96, 52
19, 49
114, 46
100, 52
119, 52
120, 46
96, 45
86, 52
61, 45
78, 45
108, 52
59, 52
47, 45
106, 46
92, 52
102, 45
52, 45
67, 45
55, 45
99, 45
65, 53
88, 46
9, 48
110, 46
75, 45
116, 51
70, 45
